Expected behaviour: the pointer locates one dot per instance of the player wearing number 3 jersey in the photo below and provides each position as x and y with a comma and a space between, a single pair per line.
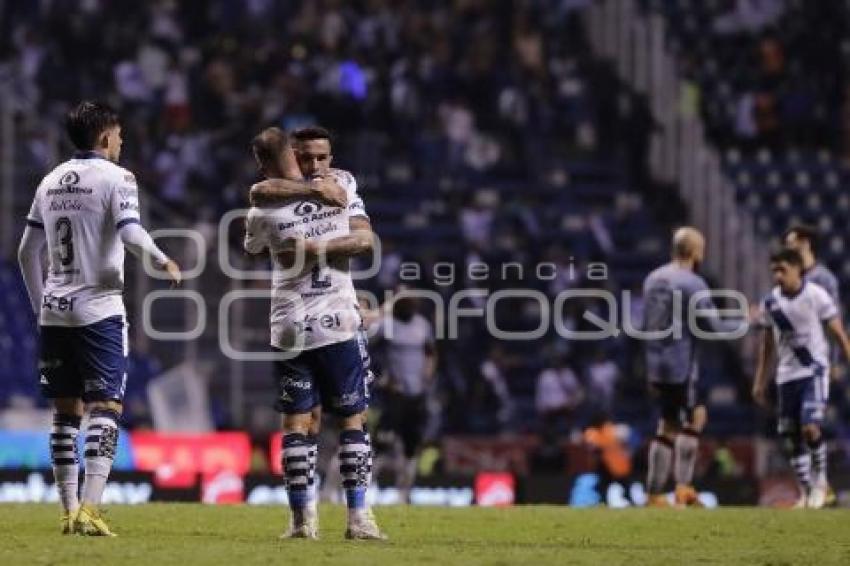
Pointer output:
85, 212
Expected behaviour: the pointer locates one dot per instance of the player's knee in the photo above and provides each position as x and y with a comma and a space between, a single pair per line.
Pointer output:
811, 432
354, 422
315, 421
315, 427
792, 443
110, 405
300, 423
668, 429
699, 418
69, 406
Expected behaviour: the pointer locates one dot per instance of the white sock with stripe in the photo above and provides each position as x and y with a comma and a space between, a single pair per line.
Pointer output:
66, 464
101, 444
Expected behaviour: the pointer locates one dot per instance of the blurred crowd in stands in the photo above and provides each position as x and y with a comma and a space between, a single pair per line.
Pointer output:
480, 131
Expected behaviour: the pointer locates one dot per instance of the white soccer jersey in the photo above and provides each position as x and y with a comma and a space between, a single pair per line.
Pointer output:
317, 306
81, 205
797, 323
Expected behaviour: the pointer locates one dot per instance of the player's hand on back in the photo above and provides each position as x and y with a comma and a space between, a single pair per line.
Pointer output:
291, 249
328, 191
174, 272
258, 195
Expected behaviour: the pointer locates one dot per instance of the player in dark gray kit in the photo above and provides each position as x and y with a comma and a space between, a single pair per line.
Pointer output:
804, 240
672, 365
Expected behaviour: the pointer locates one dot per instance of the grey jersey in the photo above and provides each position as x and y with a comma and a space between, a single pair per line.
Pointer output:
821, 275
667, 292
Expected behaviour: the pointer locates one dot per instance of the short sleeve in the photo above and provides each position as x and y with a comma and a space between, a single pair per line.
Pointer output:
763, 318
256, 234
698, 285
124, 199
34, 217
356, 206
824, 304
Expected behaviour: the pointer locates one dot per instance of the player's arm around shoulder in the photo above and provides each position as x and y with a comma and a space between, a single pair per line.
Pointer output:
276, 191
354, 204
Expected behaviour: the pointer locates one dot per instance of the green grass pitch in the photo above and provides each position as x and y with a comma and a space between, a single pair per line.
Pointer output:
159, 534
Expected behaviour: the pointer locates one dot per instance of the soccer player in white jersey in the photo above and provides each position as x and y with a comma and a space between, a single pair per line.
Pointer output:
85, 212
315, 321
283, 182
795, 313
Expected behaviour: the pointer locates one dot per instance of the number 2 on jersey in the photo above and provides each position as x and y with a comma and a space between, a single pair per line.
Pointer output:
65, 237
318, 281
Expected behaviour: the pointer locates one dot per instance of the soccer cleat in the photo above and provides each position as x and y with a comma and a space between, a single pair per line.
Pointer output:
831, 499
307, 526
67, 521
364, 528
658, 500
802, 502
88, 522
817, 497
686, 496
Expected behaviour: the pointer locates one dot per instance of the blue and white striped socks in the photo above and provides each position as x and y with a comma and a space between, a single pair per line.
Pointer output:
802, 464
66, 465
297, 470
312, 461
354, 452
817, 450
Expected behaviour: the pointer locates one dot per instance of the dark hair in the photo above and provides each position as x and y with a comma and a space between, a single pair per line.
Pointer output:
312, 133
269, 144
787, 255
87, 122
803, 232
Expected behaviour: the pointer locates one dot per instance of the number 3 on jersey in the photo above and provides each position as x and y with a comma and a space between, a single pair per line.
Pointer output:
65, 237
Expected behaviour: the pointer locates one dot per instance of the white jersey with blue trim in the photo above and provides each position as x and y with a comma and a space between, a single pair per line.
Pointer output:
797, 324
81, 205
317, 306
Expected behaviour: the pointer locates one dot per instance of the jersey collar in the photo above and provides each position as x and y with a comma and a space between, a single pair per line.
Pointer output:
794, 295
88, 155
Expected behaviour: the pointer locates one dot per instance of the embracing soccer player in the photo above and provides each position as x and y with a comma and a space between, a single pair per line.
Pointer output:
315, 322
85, 212
795, 313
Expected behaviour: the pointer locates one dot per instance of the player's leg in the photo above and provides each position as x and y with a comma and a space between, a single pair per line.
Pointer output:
63, 385
790, 433
686, 449
296, 400
67, 415
343, 392
102, 352
411, 432
660, 457
313, 432
814, 407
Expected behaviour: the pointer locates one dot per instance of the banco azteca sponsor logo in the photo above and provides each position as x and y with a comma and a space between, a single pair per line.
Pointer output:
307, 207
69, 178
